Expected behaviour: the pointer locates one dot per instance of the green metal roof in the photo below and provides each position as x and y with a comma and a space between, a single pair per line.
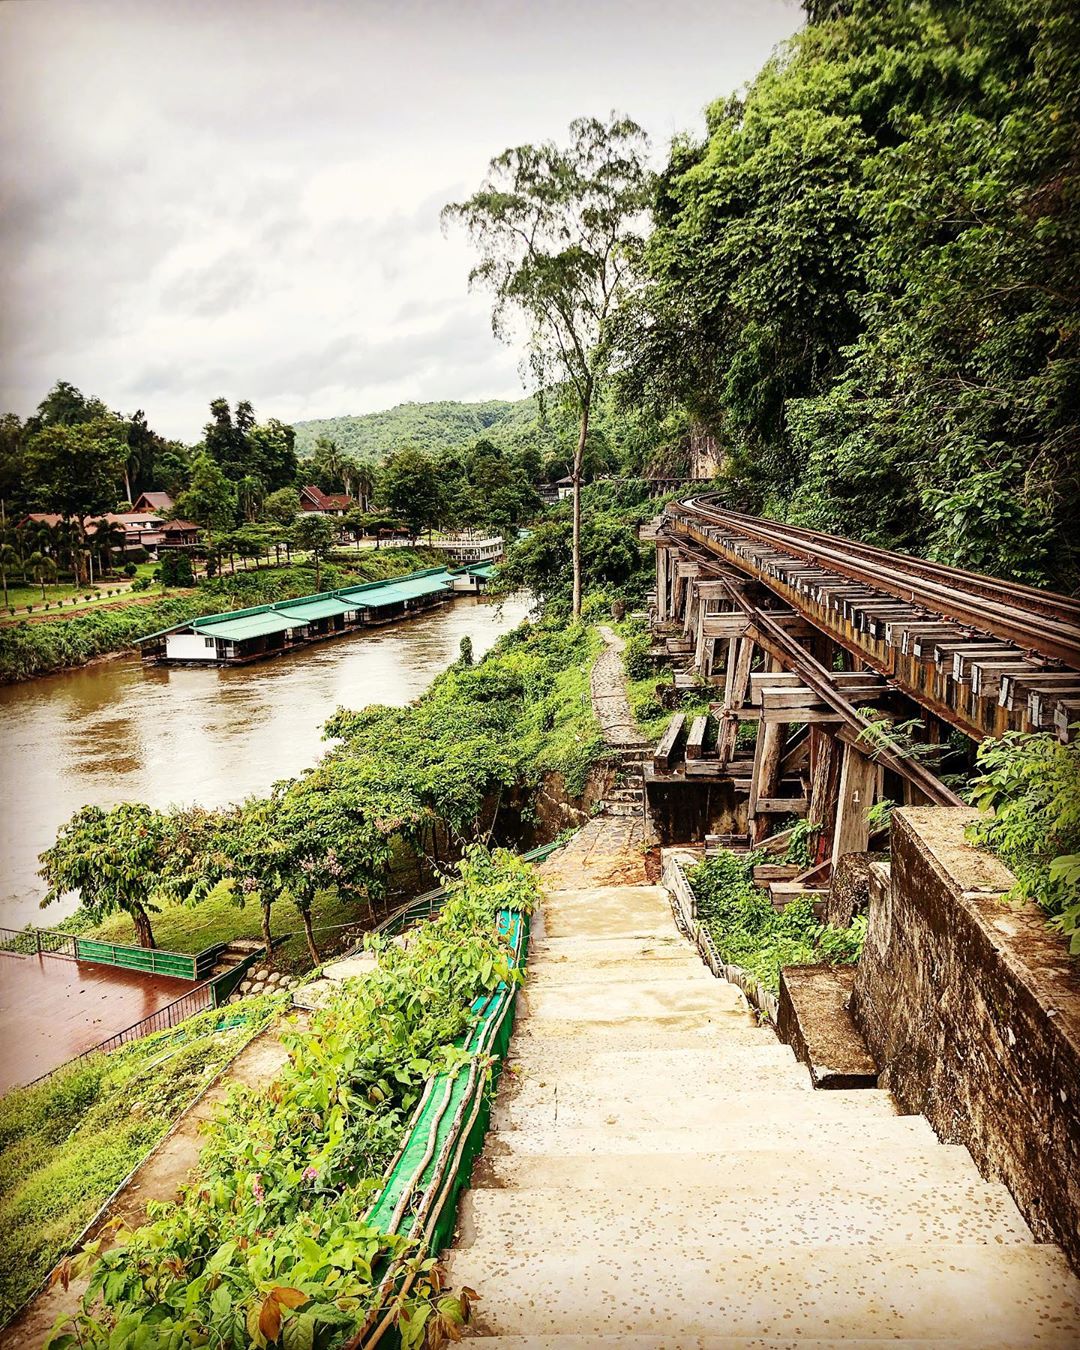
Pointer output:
308, 610
250, 626
292, 613
483, 569
394, 592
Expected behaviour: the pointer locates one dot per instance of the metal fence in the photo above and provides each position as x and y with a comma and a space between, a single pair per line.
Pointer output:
149, 960
37, 941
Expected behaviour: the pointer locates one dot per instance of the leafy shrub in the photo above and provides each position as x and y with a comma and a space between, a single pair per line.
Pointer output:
270, 1235
1031, 784
130, 569
747, 931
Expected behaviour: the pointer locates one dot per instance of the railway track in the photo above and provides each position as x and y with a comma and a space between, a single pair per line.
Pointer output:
986, 654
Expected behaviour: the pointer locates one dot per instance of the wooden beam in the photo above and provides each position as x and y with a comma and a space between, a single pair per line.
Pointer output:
781, 806
858, 778
825, 755
695, 742
667, 749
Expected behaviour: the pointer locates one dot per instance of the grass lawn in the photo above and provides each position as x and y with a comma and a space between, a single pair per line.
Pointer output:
67, 1143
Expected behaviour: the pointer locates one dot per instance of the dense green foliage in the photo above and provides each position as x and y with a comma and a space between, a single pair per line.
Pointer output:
615, 565
1031, 786
864, 280
432, 427
28, 649
67, 1142
748, 932
270, 1241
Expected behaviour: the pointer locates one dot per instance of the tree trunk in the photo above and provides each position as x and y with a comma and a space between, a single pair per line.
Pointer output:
309, 934
579, 455
143, 932
268, 937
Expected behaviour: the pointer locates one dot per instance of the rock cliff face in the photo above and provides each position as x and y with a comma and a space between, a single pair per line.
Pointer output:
971, 1007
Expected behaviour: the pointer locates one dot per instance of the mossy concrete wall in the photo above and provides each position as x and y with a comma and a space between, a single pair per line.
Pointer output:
970, 1005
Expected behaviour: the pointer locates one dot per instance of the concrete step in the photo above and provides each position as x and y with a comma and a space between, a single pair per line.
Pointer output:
622, 809
608, 912
651, 1106
918, 1166
690, 1223
679, 1067
570, 974
982, 1294
790, 1132
690, 1342
677, 1032
591, 951
540, 1078
604, 1003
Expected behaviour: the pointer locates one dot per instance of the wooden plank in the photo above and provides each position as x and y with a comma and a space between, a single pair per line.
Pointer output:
779, 806
820, 714
1015, 688
986, 676
724, 625
1042, 707
695, 742
961, 662
667, 749
765, 872
1066, 714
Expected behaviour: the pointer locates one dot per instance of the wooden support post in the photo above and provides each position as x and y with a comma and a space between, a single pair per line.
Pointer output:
824, 784
735, 690
767, 756
858, 779
663, 560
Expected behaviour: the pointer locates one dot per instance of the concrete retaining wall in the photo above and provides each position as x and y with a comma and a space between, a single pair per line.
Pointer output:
970, 1005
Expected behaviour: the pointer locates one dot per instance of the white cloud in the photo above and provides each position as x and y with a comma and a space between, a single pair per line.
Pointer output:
243, 199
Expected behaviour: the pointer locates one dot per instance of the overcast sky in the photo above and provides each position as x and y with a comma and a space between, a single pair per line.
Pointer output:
241, 197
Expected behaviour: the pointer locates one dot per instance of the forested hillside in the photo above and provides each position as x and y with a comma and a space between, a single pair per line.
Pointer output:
863, 279
429, 426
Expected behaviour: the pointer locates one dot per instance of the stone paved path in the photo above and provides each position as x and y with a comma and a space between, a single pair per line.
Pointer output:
661, 1175
609, 692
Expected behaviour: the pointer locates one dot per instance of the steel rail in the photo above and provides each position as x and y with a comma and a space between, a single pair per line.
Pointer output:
1039, 621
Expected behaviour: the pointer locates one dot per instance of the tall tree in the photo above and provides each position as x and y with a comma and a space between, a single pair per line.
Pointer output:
73, 469
411, 488
210, 500
112, 860
557, 232
317, 534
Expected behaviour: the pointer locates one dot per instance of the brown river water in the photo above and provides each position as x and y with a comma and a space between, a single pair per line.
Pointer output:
114, 731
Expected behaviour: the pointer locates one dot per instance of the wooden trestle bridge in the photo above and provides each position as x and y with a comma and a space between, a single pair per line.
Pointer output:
815, 638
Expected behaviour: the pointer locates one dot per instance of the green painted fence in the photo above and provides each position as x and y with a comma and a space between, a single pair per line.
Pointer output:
149, 960
420, 1192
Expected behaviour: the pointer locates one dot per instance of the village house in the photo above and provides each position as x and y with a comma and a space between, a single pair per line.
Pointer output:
314, 500
159, 502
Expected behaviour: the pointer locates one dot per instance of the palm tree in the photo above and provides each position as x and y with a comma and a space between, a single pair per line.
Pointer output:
41, 567
109, 538
365, 483
9, 558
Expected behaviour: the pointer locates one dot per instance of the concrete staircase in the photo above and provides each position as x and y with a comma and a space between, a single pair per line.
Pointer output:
660, 1173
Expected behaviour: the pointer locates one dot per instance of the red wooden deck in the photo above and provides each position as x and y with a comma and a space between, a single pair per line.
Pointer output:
53, 1008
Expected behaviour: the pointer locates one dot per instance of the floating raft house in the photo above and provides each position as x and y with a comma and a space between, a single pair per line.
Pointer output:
253, 634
